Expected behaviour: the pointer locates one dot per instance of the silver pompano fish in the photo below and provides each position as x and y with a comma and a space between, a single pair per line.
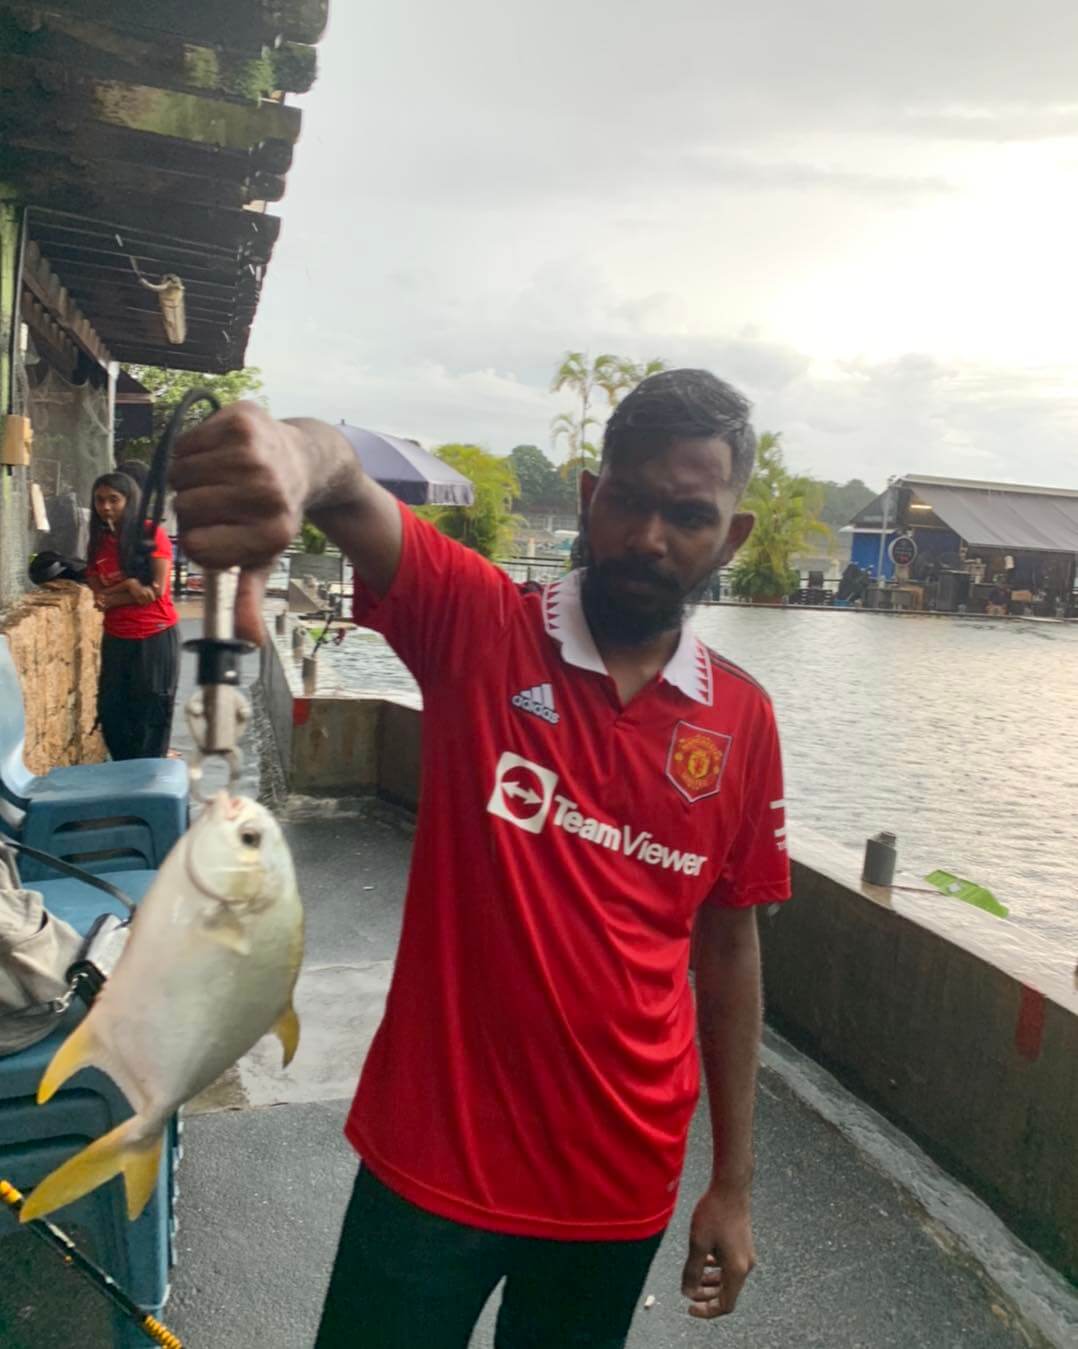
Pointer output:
208, 969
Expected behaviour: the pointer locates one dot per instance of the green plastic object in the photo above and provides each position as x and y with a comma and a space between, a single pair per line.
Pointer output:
968, 892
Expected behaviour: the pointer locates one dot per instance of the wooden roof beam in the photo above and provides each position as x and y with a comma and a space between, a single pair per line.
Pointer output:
81, 235
50, 176
179, 358
243, 25
45, 286
65, 95
159, 259
142, 55
106, 307
249, 234
34, 128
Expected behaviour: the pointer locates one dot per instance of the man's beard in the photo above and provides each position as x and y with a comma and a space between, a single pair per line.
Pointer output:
626, 617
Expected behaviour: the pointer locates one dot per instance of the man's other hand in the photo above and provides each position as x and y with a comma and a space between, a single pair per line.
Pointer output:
721, 1251
241, 481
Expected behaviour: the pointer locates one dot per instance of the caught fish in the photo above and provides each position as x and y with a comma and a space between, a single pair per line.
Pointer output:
208, 969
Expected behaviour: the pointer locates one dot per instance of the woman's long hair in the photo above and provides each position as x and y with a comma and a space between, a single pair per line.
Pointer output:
128, 530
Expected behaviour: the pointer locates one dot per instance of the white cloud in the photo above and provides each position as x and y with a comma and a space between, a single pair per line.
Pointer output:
863, 218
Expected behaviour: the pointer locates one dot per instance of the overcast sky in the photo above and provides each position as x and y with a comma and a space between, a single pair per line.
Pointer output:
867, 220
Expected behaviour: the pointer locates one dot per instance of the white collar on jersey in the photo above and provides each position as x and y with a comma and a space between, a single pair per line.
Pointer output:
688, 669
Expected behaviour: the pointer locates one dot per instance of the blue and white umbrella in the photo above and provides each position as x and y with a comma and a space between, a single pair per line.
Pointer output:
413, 475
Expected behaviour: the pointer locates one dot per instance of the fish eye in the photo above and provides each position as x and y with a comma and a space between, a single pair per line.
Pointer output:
250, 838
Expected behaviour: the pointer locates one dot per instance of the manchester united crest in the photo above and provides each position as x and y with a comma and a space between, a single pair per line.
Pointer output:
696, 760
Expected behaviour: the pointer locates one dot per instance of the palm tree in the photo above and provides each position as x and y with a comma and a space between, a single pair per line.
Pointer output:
787, 507
614, 376
617, 375
582, 453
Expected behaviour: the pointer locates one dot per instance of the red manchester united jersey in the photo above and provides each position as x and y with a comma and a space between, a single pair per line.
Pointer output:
536, 1071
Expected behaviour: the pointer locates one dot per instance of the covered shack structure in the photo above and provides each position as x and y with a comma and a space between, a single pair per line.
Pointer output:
978, 546
141, 144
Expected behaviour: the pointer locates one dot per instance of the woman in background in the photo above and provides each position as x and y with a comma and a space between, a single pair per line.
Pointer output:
140, 652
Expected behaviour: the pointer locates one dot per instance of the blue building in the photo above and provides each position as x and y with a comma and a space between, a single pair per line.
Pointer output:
973, 538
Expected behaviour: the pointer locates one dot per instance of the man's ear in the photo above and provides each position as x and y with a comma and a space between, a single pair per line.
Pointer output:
741, 526
588, 481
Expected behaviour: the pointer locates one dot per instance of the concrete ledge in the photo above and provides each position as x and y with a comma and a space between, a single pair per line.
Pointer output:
959, 1026
340, 742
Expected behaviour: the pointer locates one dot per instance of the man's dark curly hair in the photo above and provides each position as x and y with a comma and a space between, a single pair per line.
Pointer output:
677, 405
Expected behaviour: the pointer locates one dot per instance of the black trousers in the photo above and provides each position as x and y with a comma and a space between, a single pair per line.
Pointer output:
136, 693
407, 1279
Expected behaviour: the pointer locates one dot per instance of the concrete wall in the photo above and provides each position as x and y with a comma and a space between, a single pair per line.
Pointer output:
55, 637
957, 1025
320, 566
72, 446
340, 743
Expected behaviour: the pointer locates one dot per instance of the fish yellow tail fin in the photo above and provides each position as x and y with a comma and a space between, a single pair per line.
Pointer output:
77, 1051
118, 1150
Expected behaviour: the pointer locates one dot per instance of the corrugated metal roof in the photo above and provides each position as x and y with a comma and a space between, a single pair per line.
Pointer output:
980, 484
148, 131
1002, 518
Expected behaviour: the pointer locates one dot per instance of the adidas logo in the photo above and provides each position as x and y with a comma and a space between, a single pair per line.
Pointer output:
538, 700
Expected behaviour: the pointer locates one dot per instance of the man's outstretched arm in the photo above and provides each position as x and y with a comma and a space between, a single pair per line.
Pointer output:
729, 1010
244, 483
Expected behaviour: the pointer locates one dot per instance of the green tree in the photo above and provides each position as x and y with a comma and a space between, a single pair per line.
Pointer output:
787, 509
612, 376
169, 386
541, 486
311, 539
536, 475
487, 525
842, 501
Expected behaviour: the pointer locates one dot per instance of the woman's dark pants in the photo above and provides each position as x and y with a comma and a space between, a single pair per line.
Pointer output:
137, 692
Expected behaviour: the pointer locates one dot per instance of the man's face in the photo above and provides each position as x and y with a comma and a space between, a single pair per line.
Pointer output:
656, 527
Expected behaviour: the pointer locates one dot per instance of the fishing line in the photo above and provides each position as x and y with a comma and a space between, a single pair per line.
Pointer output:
138, 560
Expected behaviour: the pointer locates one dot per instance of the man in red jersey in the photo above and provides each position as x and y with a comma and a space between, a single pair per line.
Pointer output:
597, 784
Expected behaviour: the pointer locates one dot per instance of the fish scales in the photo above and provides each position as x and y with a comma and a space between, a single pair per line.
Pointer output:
209, 968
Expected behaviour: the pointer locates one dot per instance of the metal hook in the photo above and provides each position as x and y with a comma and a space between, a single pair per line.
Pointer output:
198, 725
217, 712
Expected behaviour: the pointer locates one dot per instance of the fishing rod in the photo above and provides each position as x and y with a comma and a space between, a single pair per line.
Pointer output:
58, 1239
218, 712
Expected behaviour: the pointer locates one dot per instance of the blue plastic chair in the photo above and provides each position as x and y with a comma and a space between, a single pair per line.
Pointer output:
79, 904
113, 815
35, 1139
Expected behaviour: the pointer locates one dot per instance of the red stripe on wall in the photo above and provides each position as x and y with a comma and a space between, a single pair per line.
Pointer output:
1029, 1029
